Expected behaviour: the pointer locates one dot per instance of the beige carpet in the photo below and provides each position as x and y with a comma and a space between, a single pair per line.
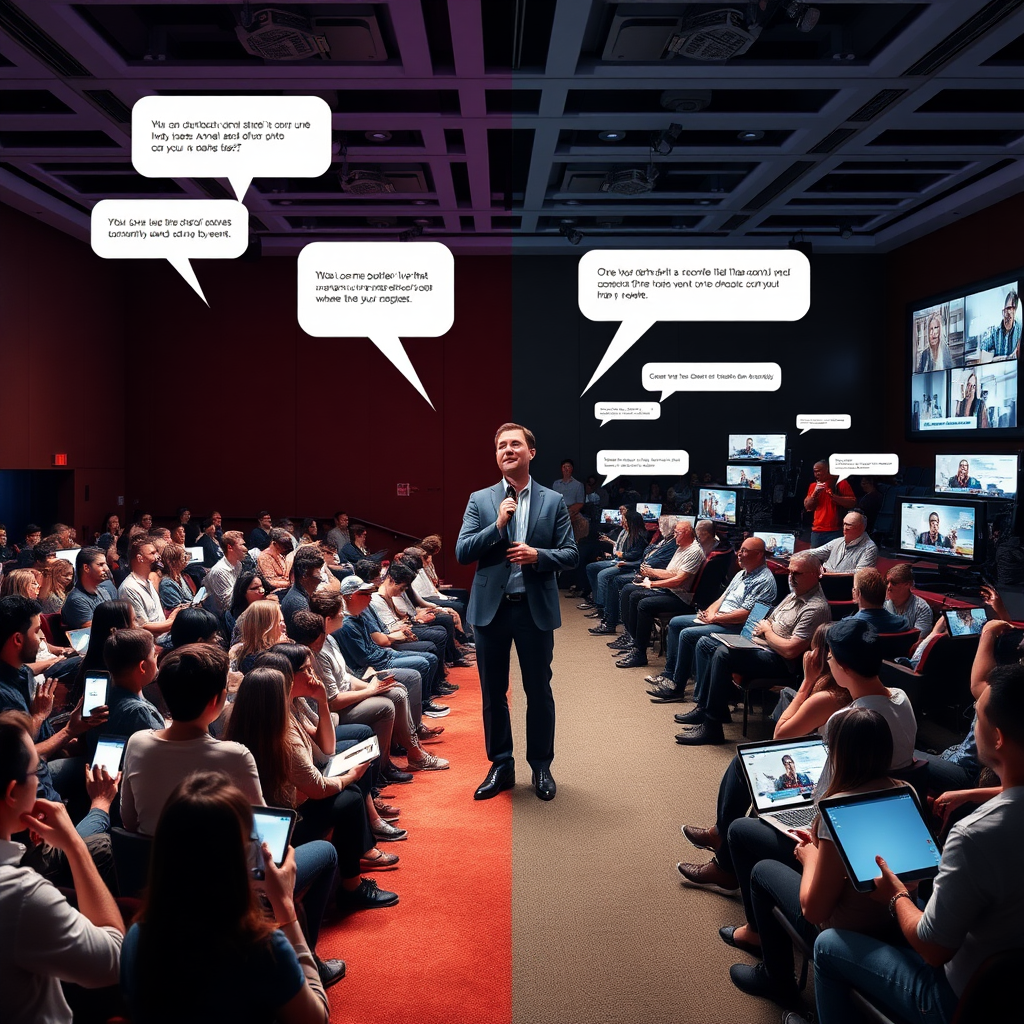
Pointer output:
602, 929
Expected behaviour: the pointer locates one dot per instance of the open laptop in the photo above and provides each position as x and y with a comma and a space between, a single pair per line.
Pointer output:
745, 638
782, 797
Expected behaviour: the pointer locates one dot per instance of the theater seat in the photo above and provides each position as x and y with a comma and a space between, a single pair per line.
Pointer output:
131, 852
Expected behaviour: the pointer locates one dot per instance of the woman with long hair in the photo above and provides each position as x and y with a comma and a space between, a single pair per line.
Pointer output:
202, 949
51, 660
107, 617
175, 587
23, 583
260, 626
263, 720
816, 893
58, 578
971, 402
249, 587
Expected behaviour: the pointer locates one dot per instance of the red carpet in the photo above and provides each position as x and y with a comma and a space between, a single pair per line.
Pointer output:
444, 953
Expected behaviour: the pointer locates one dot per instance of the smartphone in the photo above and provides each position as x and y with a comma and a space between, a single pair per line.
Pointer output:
273, 826
96, 682
109, 750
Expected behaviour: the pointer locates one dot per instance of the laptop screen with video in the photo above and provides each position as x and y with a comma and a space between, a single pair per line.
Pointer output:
783, 773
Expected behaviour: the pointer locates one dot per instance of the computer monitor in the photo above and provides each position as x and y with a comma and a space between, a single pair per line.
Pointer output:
757, 447
717, 504
195, 554
777, 545
987, 476
650, 510
610, 517
947, 531
748, 477
69, 555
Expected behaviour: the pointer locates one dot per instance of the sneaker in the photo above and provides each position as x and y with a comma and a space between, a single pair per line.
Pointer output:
382, 862
702, 838
395, 775
585, 606
445, 690
428, 763
330, 971
659, 679
367, 896
710, 876
432, 710
385, 832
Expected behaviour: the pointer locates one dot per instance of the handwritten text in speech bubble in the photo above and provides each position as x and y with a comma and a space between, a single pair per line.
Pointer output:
642, 463
671, 377
639, 287
608, 411
837, 421
844, 465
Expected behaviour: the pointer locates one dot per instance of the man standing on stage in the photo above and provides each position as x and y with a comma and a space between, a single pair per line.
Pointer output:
520, 535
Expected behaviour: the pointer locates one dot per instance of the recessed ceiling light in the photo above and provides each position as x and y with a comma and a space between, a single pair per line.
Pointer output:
419, 202
377, 136
751, 136
572, 202
611, 136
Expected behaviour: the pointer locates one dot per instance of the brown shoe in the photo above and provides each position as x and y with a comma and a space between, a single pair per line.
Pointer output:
703, 838
710, 876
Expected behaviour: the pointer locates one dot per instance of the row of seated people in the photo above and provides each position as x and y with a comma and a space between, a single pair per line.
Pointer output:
285, 699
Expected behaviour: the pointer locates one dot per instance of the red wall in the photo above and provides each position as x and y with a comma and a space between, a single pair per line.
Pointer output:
62, 351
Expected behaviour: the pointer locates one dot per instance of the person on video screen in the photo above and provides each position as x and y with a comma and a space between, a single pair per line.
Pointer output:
1004, 341
937, 355
791, 778
963, 480
933, 538
970, 404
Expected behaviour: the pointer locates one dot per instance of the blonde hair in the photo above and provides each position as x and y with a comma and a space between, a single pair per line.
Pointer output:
258, 626
17, 582
52, 584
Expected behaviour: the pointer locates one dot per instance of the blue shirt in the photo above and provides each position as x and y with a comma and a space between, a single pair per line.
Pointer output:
883, 621
356, 644
16, 687
515, 530
79, 605
129, 713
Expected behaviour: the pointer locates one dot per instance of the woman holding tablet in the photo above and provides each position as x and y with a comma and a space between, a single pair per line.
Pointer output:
202, 909
860, 752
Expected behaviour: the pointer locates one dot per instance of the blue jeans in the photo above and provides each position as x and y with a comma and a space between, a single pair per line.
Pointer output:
682, 645
894, 977
316, 864
714, 666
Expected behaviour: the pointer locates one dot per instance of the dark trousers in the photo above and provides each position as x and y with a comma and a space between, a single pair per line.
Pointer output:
648, 608
714, 665
751, 841
625, 599
613, 597
777, 885
345, 813
733, 804
512, 623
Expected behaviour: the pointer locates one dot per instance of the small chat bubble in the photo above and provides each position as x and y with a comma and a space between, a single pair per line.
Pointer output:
175, 230
380, 291
642, 463
639, 287
843, 466
807, 421
671, 377
233, 137
608, 411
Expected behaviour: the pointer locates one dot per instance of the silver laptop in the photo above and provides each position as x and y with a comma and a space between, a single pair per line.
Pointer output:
782, 776
745, 638
195, 554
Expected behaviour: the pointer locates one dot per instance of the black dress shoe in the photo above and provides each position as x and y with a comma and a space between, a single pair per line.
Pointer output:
706, 733
755, 982
331, 971
544, 784
667, 695
501, 776
693, 717
634, 660
728, 936
601, 630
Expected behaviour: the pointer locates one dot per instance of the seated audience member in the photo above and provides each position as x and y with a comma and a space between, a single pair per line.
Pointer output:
195, 626
138, 589
855, 661
870, 502
424, 592
818, 698
249, 587
260, 626
44, 555
899, 600
339, 536
306, 569
356, 547
51, 661
624, 558
107, 616
33, 535
431, 548
360, 642
272, 562
263, 722
193, 529
220, 580
869, 593
977, 899
202, 908
852, 551
815, 892
667, 590
704, 531
174, 587
826, 497
334, 570
109, 537
259, 537
781, 638
56, 583
7, 551
209, 542
308, 531
91, 588
752, 584
43, 939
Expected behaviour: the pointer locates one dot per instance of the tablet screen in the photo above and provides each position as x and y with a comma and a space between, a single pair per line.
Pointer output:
108, 753
887, 824
965, 621
273, 826
95, 692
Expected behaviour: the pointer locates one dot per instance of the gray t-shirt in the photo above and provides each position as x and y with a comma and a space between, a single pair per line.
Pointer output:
977, 904
916, 611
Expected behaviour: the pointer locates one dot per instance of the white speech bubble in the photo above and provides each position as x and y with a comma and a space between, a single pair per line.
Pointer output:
175, 230
233, 137
808, 421
644, 463
872, 464
608, 411
639, 287
380, 291
671, 377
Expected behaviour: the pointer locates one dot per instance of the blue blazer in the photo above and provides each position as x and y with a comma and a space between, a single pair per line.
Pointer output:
549, 531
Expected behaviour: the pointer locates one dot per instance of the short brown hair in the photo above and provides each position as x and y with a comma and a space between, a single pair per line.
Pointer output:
126, 648
326, 603
901, 572
139, 541
233, 538
871, 585
190, 677
531, 441
175, 554
432, 544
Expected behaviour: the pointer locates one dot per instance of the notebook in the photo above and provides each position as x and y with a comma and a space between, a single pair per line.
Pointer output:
783, 794
746, 635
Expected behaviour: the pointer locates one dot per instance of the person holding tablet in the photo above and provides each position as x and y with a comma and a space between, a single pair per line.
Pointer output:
977, 902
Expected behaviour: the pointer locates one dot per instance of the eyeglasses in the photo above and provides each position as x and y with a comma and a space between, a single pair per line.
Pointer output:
1009, 309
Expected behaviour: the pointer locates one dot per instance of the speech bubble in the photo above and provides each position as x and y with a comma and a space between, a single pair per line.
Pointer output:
378, 290
671, 377
175, 230
807, 421
643, 463
856, 465
233, 137
639, 287
608, 411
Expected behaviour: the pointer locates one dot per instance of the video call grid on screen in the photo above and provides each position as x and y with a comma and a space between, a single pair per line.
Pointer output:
777, 545
761, 447
765, 770
987, 476
963, 351
953, 536
717, 505
743, 476
650, 510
